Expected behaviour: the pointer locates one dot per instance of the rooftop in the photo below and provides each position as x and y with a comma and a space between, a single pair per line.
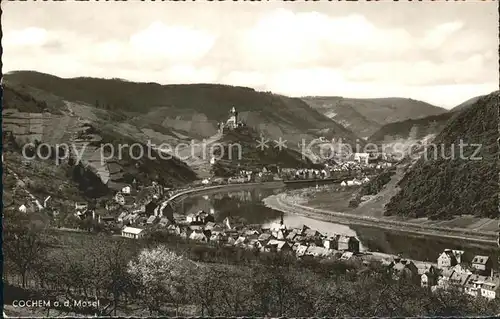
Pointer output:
480, 259
132, 230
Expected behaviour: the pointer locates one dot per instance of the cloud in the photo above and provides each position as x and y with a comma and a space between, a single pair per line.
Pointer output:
298, 82
177, 43
333, 82
423, 72
438, 35
31, 36
167, 54
290, 51
283, 38
311, 53
190, 74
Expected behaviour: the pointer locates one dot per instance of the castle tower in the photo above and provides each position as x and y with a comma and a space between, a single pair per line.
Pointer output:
232, 122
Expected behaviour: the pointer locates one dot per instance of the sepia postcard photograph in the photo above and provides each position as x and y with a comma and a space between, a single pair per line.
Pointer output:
250, 159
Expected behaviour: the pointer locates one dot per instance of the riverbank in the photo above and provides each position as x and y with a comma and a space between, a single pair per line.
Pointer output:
295, 205
206, 190
328, 227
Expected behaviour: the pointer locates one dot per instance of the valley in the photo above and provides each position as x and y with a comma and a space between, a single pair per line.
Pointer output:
147, 200
365, 116
180, 160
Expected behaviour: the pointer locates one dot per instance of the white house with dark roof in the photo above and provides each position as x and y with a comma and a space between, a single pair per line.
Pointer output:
428, 275
132, 232
81, 207
198, 235
458, 279
490, 287
474, 284
482, 265
361, 157
151, 219
126, 190
23, 208
447, 259
121, 217
301, 250
347, 243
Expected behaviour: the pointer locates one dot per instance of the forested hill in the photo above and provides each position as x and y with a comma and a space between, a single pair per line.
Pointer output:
254, 158
277, 115
441, 187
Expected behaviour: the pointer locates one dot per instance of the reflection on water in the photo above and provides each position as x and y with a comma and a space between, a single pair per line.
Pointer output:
247, 205
243, 204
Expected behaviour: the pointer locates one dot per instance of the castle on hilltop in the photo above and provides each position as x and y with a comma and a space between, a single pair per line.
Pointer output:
232, 122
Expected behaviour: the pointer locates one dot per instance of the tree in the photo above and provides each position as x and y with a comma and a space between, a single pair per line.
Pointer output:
204, 290
23, 241
95, 267
115, 255
277, 286
160, 273
223, 291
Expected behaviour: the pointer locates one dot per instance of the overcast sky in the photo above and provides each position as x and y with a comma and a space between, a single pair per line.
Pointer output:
442, 53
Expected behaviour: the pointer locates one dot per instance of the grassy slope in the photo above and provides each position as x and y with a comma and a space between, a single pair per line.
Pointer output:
27, 99
441, 188
405, 129
367, 115
172, 171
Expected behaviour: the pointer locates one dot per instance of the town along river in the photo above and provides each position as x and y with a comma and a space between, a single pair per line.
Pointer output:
246, 205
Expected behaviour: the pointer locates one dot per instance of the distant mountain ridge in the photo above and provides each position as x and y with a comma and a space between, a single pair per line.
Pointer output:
365, 116
48, 109
186, 105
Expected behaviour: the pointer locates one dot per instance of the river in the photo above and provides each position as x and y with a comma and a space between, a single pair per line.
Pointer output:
247, 205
